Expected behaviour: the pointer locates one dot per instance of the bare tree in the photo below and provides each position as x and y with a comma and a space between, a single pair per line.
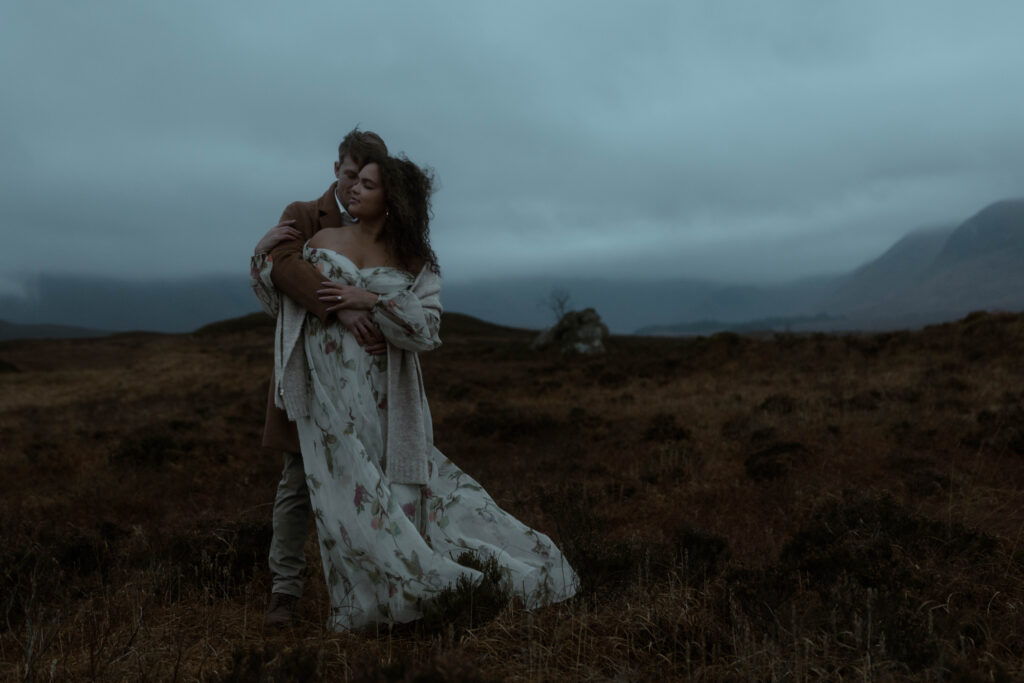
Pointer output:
558, 302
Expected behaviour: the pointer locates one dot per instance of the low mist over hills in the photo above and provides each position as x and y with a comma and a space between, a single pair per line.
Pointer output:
929, 275
626, 305
118, 305
941, 275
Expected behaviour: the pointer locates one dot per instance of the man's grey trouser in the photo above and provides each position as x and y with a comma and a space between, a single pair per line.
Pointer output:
291, 520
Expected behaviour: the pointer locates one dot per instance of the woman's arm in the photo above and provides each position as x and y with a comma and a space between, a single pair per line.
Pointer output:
409, 319
259, 279
407, 322
261, 265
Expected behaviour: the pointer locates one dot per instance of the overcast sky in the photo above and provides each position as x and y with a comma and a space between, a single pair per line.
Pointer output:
743, 141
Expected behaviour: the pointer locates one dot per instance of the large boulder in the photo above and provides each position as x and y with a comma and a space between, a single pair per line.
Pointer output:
577, 332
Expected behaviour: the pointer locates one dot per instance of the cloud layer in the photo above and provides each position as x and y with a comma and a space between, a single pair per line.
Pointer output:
737, 141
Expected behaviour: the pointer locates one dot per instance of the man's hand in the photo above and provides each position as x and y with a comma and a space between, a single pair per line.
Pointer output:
361, 325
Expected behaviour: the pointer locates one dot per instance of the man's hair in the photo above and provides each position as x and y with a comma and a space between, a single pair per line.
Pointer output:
362, 145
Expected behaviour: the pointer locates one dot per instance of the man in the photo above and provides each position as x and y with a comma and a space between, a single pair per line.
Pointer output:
299, 280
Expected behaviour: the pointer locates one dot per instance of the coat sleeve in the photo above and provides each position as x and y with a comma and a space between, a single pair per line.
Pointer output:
292, 275
411, 318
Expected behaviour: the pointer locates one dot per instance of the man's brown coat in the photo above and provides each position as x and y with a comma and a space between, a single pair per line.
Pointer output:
299, 280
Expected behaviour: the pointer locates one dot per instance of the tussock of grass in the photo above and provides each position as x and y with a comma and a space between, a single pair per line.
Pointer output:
467, 604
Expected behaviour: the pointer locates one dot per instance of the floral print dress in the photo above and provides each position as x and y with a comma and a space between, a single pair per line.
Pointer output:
386, 546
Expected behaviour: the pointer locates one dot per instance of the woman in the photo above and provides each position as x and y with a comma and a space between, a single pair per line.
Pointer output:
392, 512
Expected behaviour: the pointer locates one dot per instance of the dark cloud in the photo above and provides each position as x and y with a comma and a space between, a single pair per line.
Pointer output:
727, 140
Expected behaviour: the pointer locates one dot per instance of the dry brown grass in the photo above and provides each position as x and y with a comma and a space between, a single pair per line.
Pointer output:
792, 507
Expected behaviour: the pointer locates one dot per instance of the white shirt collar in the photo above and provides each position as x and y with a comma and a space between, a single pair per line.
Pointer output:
345, 215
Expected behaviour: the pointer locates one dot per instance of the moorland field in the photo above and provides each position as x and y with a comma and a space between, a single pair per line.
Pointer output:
785, 507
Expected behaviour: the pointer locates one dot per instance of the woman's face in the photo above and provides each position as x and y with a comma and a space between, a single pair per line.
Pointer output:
366, 198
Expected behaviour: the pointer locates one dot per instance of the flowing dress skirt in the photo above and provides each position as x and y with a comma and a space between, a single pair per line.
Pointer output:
386, 546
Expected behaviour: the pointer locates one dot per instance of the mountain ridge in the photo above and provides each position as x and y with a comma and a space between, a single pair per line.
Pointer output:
929, 275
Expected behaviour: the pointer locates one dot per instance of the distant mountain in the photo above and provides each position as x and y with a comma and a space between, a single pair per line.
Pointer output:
925, 278
898, 268
981, 265
996, 229
930, 275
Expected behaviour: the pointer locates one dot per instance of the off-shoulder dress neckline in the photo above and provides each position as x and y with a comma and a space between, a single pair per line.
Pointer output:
354, 265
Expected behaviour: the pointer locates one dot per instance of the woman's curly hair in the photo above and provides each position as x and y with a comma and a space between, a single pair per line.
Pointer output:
406, 233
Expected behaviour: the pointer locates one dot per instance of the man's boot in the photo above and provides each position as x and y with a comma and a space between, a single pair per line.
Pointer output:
281, 611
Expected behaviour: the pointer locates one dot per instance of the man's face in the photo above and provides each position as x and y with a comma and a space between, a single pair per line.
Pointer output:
347, 173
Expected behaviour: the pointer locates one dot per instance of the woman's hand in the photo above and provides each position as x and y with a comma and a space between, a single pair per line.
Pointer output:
338, 297
277, 234
360, 324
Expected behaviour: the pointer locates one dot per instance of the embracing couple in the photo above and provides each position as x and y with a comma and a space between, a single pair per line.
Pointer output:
355, 287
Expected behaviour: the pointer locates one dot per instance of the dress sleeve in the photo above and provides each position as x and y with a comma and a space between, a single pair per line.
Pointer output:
411, 318
259, 278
